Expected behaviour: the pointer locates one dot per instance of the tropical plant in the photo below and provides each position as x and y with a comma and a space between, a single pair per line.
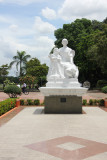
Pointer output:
20, 59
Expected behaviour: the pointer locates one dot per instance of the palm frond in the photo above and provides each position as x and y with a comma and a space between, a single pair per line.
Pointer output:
11, 64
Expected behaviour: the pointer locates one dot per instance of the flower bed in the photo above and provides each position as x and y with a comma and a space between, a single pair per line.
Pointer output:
7, 105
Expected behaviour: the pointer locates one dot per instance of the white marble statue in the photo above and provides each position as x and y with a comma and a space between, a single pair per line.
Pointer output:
62, 65
55, 69
67, 55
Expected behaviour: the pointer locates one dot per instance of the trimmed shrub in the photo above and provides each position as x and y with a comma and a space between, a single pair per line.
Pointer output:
101, 83
95, 102
104, 89
12, 90
7, 105
91, 102
36, 102
29, 102
22, 102
84, 102
101, 102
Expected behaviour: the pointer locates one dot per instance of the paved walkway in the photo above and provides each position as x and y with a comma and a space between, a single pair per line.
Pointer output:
38, 95
33, 135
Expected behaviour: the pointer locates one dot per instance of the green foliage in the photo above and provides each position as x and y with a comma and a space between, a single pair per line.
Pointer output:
101, 83
29, 102
4, 70
84, 102
101, 102
12, 90
42, 81
20, 59
22, 102
33, 62
91, 102
28, 79
89, 40
8, 82
95, 102
36, 102
7, 105
104, 89
34, 68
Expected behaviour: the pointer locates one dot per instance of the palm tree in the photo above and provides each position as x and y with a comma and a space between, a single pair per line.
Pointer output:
20, 59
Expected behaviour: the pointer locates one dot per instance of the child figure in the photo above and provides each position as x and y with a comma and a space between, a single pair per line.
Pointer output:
55, 70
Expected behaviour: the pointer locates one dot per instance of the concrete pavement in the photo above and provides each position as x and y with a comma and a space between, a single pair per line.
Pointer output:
33, 135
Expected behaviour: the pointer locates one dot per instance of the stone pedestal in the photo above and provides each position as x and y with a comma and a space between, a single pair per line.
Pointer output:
63, 104
63, 100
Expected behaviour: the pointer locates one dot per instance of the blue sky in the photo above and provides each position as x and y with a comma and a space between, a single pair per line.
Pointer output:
29, 24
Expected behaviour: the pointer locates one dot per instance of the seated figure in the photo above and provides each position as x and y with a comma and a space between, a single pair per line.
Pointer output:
67, 55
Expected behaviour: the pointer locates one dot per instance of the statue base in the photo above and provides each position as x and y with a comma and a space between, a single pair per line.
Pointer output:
72, 82
63, 100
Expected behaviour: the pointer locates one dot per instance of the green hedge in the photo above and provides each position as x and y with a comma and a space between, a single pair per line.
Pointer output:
7, 105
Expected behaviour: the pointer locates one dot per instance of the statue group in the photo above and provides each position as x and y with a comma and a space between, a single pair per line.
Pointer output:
63, 93
62, 64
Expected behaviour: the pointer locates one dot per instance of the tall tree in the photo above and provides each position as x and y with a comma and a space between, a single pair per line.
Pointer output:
20, 59
86, 36
38, 70
35, 68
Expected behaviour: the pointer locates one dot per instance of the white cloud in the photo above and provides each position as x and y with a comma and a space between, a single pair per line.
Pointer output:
49, 13
93, 9
22, 2
42, 27
30, 39
13, 28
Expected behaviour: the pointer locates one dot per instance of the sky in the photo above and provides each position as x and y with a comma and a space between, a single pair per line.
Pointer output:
29, 25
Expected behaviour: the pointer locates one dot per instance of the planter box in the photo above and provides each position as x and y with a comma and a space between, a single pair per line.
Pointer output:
17, 102
105, 103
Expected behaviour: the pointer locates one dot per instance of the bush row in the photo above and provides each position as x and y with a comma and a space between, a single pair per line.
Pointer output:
93, 102
7, 105
30, 102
